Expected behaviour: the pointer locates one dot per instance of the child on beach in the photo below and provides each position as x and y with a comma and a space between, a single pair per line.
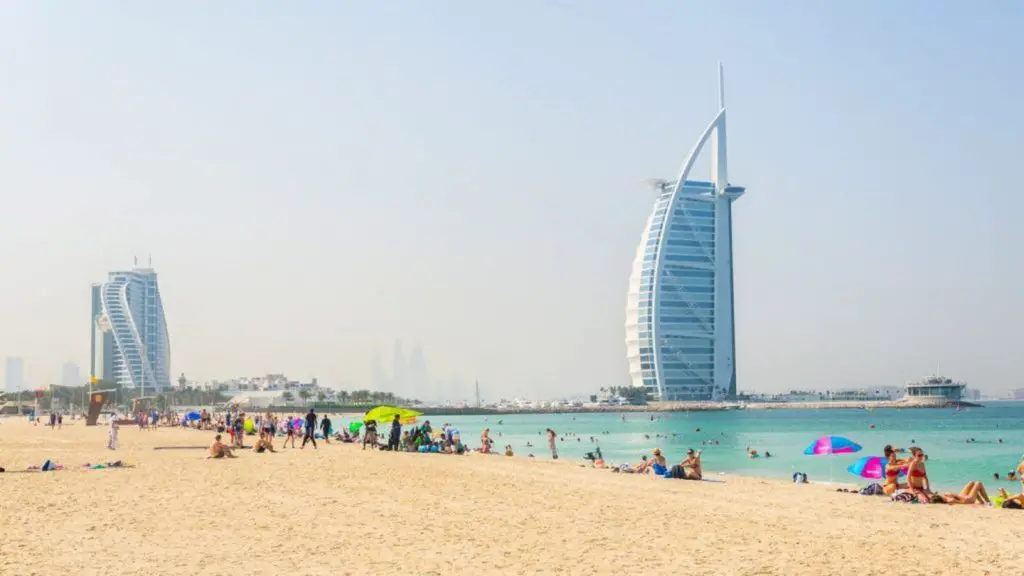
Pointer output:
112, 442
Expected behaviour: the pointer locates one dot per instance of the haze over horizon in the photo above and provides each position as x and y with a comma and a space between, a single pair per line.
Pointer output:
314, 180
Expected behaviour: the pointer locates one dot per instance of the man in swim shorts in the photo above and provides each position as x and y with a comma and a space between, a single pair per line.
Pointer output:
219, 449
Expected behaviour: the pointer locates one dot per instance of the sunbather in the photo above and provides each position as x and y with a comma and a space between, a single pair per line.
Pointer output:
972, 493
220, 450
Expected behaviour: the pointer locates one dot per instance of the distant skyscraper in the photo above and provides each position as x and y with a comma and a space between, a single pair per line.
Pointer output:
14, 374
378, 376
130, 342
399, 372
416, 375
69, 375
680, 338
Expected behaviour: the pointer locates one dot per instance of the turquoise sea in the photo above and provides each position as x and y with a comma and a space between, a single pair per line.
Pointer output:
623, 437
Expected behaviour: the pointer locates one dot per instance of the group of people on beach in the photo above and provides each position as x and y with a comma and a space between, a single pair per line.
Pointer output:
266, 428
916, 488
690, 468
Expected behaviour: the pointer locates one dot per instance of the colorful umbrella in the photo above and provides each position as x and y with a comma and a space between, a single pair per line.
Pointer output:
832, 445
192, 416
872, 467
869, 467
354, 427
385, 414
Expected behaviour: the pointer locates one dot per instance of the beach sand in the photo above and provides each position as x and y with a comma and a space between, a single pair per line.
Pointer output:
339, 510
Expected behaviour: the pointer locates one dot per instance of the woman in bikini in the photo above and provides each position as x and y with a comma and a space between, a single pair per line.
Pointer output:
917, 475
973, 493
893, 466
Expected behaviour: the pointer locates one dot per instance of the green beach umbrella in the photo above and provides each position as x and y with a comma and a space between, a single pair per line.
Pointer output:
385, 414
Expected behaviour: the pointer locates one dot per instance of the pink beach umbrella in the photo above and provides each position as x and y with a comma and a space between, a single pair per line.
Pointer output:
831, 445
871, 467
868, 467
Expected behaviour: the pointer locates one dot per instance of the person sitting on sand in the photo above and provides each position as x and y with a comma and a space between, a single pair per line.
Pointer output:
1014, 501
658, 464
893, 466
972, 493
219, 449
263, 445
485, 441
694, 471
917, 475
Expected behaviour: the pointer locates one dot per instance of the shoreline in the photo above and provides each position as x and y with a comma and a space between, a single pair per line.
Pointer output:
701, 407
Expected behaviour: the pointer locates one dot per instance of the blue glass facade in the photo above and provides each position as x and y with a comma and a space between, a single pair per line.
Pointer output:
675, 296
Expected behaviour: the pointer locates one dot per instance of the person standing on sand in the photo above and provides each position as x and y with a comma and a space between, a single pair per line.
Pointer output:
310, 429
395, 438
325, 427
551, 444
112, 442
289, 428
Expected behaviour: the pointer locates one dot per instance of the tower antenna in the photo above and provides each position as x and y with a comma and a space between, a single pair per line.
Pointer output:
721, 85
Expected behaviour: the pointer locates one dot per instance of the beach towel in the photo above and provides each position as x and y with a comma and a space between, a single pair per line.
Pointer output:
905, 497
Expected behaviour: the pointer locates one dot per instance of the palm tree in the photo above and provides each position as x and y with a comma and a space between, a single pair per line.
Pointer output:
287, 396
320, 396
342, 396
304, 394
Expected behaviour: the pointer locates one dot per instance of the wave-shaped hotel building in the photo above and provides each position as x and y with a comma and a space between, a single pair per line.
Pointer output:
130, 343
680, 328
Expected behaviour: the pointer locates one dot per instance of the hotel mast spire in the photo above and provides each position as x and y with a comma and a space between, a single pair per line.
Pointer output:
719, 165
721, 86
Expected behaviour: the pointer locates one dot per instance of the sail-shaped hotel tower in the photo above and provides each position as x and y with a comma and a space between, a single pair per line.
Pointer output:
680, 330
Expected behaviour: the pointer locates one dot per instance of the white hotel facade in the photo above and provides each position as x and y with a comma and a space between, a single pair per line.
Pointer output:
680, 328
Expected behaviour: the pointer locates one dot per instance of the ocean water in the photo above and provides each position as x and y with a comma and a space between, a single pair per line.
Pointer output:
623, 437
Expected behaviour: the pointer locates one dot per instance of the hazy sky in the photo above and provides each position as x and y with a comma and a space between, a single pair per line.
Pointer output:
315, 179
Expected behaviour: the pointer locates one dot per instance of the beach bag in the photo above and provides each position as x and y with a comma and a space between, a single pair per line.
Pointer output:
873, 489
1011, 504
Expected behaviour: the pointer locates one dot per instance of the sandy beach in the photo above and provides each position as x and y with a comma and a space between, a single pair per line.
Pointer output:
339, 510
